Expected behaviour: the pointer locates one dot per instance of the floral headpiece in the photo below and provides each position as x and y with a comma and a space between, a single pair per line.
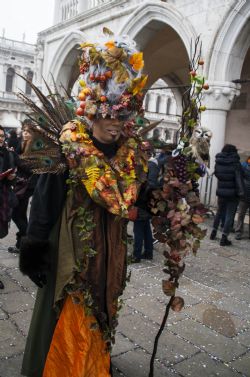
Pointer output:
111, 80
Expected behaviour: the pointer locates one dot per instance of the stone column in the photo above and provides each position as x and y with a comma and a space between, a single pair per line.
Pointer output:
152, 102
218, 101
39, 57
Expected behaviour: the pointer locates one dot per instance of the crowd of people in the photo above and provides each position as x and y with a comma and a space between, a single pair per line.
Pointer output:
17, 183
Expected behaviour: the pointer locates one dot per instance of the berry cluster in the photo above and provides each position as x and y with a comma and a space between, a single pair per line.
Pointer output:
100, 78
180, 166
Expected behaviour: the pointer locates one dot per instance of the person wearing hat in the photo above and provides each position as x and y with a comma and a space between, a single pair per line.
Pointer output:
75, 248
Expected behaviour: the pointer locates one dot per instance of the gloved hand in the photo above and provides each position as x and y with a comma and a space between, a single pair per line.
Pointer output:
39, 279
34, 259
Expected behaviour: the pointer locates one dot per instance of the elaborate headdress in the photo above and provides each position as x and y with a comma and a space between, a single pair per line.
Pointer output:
111, 80
111, 86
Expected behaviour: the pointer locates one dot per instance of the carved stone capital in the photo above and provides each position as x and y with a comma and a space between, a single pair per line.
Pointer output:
220, 95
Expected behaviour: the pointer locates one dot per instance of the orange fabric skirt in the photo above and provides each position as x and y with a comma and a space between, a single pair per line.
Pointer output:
76, 350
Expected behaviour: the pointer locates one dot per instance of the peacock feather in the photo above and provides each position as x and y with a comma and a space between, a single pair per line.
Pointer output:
48, 115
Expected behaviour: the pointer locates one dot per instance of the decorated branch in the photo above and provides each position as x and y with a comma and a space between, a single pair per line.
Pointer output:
176, 207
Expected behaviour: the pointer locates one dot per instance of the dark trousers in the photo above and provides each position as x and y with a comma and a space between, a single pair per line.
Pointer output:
143, 233
243, 207
19, 216
226, 210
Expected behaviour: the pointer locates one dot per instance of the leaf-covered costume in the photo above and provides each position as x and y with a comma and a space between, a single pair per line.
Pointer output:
90, 262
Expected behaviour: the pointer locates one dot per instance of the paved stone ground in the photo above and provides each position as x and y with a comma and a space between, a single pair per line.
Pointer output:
210, 337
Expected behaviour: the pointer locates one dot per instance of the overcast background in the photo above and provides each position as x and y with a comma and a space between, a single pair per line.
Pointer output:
27, 17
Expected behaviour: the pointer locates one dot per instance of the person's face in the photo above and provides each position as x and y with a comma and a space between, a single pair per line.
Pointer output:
107, 131
2, 138
26, 134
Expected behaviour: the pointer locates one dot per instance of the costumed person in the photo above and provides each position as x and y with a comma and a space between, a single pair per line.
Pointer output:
244, 204
230, 189
7, 177
24, 188
75, 248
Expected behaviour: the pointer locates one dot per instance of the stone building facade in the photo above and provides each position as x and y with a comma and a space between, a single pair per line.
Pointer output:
164, 30
15, 57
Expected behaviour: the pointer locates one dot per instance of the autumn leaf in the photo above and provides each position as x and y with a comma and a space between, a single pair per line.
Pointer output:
197, 219
171, 214
121, 74
110, 44
94, 55
136, 60
177, 304
160, 237
168, 287
161, 206
196, 246
138, 84
87, 44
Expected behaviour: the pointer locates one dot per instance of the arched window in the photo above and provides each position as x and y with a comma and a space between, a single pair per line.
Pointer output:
158, 100
146, 101
9, 79
27, 86
168, 105
156, 134
167, 134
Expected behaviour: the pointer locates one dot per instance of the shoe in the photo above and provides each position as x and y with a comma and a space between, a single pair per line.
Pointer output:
1, 285
135, 260
144, 256
238, 236
13, 250
225, 241
213, 234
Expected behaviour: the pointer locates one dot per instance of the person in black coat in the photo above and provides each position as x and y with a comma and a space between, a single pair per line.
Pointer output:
230, 189
7, 176
244, 204
24, 188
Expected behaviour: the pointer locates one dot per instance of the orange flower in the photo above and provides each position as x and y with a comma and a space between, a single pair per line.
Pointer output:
136, 60
73, 136
110, 44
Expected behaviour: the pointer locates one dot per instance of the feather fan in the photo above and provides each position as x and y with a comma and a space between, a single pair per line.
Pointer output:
43, 154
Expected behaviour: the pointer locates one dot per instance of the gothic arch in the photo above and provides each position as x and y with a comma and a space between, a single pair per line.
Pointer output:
231, 43
164, 13
65, 57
